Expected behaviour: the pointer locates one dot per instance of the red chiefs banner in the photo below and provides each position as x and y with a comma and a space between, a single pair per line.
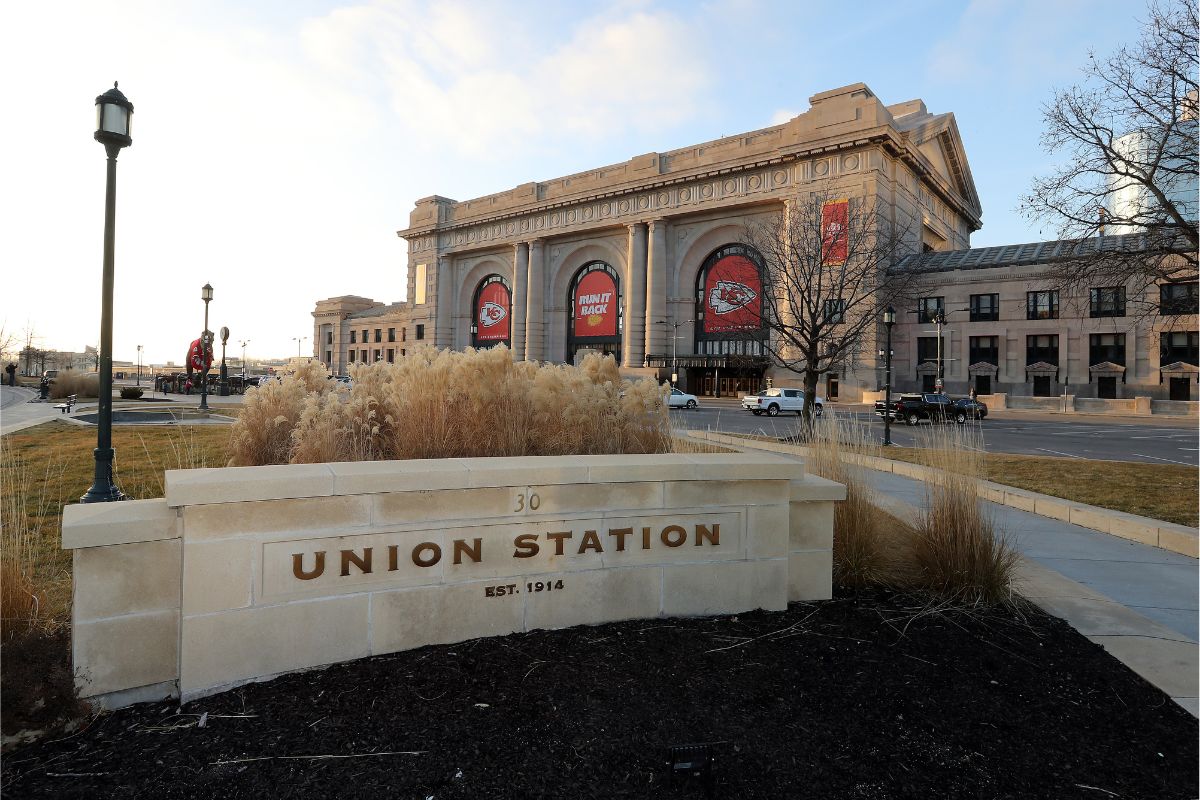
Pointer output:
491, 313
596, 305
195, 360
732, 296
834, 242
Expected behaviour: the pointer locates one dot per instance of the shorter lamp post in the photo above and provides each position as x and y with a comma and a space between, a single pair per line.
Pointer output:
224, 390
139, 375
298, 340
674, 345
889, 319
246, 342
206, 294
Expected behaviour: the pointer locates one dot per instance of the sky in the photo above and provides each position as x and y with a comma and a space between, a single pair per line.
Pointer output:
278, 145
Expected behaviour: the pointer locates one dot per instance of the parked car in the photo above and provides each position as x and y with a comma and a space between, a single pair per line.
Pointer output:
773, 401
935, 407
678, 399
969, 408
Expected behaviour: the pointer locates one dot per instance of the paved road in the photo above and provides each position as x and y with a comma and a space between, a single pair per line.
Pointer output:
1153, 440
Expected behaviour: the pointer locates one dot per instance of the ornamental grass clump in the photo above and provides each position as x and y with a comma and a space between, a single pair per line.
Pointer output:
867, 549
69, 382
956, 548
27, 494
448, 404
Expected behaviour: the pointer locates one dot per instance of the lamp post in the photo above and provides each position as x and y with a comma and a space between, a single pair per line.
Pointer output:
139, 377
206, 294
113, 115
244, 343
889, 319
224, 390
674, 345
298, 340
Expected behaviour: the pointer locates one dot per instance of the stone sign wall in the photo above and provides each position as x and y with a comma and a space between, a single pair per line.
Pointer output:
244, 573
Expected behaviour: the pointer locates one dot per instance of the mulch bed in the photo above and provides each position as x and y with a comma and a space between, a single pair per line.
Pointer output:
858, 697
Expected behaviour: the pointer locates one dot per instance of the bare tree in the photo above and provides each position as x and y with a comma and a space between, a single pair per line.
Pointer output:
827, 281
1129, 135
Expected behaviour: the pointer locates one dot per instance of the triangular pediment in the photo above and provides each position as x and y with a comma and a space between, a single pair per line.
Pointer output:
1180, 366
927, 366
1041, 366
983, 367
1107, 366
937, 138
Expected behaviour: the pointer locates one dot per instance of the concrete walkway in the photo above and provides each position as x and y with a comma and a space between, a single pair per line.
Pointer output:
16, 412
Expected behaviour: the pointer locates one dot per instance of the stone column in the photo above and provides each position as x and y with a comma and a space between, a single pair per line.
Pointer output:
520, 283
656, 288
535, 301
443, 335
635, 297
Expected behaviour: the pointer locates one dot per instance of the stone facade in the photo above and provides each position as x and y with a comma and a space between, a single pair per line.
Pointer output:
651, 223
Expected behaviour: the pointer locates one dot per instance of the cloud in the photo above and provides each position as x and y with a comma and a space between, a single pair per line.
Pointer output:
783, 115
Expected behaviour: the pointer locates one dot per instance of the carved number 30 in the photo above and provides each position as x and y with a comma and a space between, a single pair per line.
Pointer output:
533, 503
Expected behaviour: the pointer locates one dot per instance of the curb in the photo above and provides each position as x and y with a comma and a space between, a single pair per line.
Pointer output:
1144, 530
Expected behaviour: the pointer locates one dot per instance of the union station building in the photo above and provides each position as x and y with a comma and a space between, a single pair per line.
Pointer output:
624, 260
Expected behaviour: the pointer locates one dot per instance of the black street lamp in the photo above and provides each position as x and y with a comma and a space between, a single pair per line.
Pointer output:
206, 294
139, 377
224, 374
246, 342
113, 115
889, 319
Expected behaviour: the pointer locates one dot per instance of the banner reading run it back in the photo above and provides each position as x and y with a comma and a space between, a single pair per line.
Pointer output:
732, 296
596, 305
834, 242
491, 313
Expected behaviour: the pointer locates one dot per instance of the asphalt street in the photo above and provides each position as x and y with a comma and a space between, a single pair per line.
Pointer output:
1154, 440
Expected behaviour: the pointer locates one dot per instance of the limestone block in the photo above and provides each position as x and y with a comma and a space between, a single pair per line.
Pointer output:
1097, 519
810, 575
190, 487
653, 467
126, 579
368, 477
594, 497
1130, 526
725, 588
445, 504
1178, 539
525, 471
218, 576
1018, 499
230, 520
701, 494
499, 547
591, 598
125, 652
811, 526
816, 489
98, 524
650, 541
220, 649
409, 618
1053, 507
746, 466
991, 491
768, 531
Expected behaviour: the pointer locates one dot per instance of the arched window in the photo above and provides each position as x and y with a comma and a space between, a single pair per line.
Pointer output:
491, 323
730, 312
596, 320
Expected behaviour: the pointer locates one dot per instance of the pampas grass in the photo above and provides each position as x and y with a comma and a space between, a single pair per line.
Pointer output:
448, 404
26, 495
69, 382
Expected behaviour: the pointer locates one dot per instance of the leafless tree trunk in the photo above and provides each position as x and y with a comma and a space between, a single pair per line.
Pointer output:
827, 282
1129, 136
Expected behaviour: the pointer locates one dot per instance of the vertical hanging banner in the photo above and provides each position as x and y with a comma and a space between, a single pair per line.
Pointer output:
491, 313
835, 246
596, 305
732, 296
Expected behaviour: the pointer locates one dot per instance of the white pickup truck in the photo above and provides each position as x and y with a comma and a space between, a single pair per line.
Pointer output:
773, 401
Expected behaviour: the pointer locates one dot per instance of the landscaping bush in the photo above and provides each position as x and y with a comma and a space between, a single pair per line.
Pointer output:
957, 550
70, 382
130, 393
447, 404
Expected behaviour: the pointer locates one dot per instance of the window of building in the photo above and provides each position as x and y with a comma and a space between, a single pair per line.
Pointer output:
419, 284
328, 337
353, 335
984, 349
328, 358
391, 355
403, 352
729, 309
420, 332
1041, 348
350, 357
1106, 347
929, 308
1179, 346
378, 335
927, 349
985, 307
362, 356
1042, 305
391, 334
835, 311
404, 334
364, 336
1108, 301
596, 321
1177, 298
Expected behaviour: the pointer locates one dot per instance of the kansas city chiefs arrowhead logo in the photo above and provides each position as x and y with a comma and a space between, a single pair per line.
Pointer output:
730, 296
490, 313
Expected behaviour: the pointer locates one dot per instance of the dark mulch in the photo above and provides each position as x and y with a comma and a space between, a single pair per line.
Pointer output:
852, 698
37, 690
